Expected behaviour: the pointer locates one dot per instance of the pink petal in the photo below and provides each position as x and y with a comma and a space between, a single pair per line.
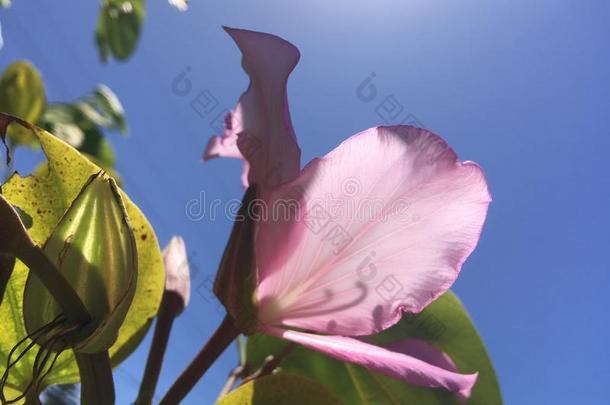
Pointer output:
426, 352
423, 351
261, 119
225, 145
385, 222
390, 363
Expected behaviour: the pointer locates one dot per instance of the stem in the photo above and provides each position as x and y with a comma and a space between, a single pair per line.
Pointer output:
270, 364
217, 344
97, 385
171, 306
32, 398
233, 376
7, 265
9, 168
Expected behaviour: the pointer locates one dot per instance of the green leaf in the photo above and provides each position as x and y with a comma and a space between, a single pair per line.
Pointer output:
62, 120
118, 28
109, 108
280, 389
445, 324
22, 94
81, 124
94, 248
45, 197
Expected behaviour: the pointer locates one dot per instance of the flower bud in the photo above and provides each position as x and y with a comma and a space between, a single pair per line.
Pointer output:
177, 274
94, 248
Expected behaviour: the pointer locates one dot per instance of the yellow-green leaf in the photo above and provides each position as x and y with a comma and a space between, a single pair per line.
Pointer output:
12, 393
278, 390
22, 94
45, 197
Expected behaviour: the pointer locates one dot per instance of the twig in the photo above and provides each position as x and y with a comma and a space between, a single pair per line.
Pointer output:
233, 376
270, 364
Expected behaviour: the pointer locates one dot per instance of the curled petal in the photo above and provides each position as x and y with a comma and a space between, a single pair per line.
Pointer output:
383, 225
426, 352
261, 120
393, 364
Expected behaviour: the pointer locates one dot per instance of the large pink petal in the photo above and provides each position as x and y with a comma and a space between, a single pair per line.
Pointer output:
384, 224
393, 364
261, 119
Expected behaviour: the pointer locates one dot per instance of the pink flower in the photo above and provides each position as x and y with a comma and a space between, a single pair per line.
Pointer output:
382, 226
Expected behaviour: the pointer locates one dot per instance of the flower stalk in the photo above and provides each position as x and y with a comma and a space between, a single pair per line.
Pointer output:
176, 297
220, 340
168, 311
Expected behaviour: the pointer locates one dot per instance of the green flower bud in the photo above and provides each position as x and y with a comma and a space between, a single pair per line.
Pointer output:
94, 248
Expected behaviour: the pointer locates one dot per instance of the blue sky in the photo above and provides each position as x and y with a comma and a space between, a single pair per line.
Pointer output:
520, 87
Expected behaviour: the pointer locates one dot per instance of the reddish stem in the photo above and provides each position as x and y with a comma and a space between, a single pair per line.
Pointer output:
220, 340
171, 306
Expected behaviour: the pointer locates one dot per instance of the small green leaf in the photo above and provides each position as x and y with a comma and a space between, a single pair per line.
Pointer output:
22, 94
118, 28
278, 390
45, 196
81, 124
445, 324
110, 108
63, 122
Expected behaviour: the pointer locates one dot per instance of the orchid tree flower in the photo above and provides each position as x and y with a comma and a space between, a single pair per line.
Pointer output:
378, 227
